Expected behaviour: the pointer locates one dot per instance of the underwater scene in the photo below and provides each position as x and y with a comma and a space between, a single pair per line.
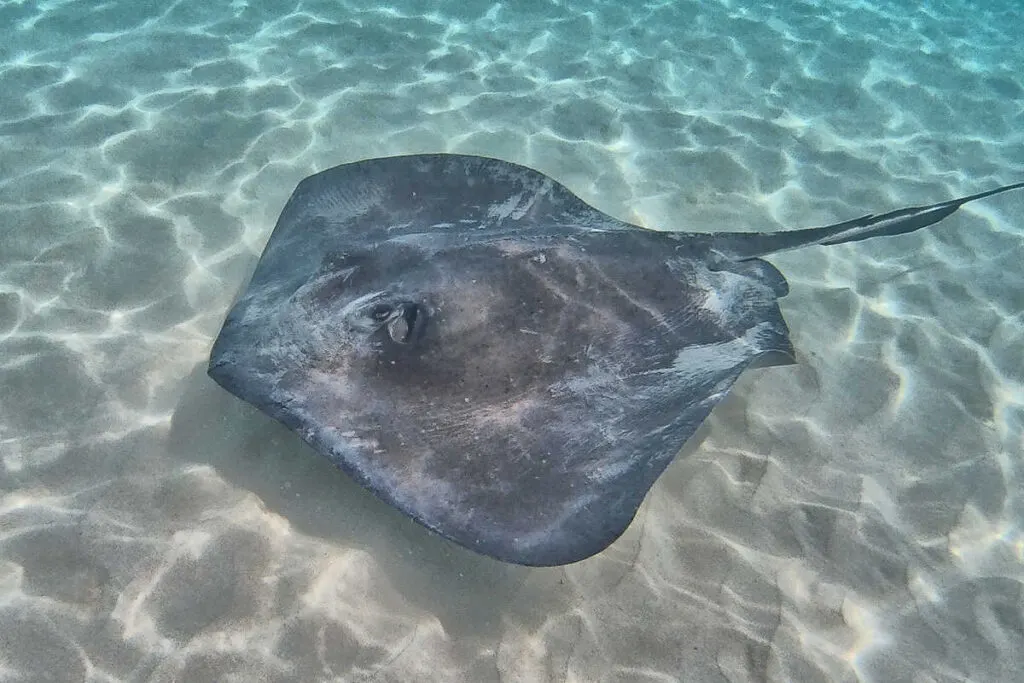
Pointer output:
855, 515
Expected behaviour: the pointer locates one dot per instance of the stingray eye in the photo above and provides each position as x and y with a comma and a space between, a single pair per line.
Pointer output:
382, 312
406, 323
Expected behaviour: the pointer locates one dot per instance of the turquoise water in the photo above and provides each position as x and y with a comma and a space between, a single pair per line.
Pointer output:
855, 517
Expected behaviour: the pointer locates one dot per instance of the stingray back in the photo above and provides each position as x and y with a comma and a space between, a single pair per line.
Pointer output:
532, 439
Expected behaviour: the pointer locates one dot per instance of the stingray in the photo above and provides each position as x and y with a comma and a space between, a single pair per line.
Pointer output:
500, 361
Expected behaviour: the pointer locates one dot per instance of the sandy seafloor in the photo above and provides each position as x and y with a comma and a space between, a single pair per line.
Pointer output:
857, 516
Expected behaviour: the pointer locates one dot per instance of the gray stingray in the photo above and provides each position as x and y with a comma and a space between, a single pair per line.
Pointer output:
505, 364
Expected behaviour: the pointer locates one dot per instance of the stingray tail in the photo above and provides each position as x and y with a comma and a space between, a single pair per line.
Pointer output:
892, 223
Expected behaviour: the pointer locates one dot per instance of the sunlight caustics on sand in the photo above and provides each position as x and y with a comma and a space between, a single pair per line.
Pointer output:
855, 517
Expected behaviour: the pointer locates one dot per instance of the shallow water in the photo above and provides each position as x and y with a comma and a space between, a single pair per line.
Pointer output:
855, 517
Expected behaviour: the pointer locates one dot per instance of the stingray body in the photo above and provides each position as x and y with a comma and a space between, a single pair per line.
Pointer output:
502, 362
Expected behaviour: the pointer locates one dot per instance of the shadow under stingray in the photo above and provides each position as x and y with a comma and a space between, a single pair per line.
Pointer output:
466, 591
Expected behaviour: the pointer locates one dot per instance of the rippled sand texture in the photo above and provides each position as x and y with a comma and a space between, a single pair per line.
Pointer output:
855, 517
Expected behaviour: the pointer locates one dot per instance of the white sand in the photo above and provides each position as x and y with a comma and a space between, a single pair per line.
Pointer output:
855, 517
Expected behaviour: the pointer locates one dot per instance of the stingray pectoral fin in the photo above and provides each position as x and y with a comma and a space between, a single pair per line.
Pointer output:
746, 246
771, 359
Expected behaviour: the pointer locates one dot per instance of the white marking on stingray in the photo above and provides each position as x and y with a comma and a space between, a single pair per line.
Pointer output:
569, 509
357, 445
516, 248
655, 314
725, 293
508, 414
607, 470
517, 206
593, 381
357, 303
355, 201
699, 362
